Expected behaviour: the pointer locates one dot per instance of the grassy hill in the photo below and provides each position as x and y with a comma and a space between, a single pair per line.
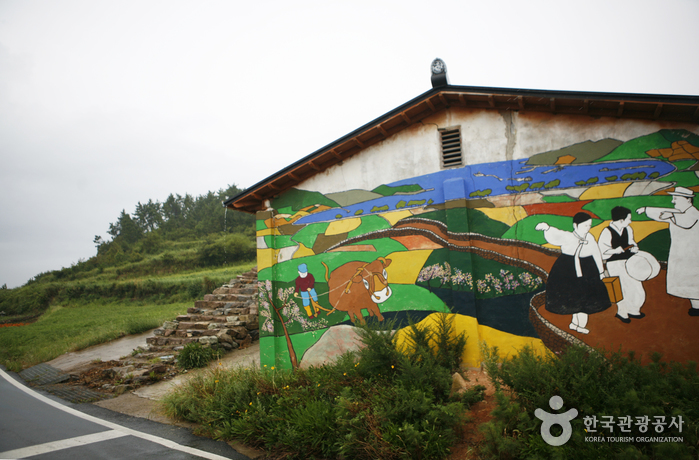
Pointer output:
153, 268
91, 303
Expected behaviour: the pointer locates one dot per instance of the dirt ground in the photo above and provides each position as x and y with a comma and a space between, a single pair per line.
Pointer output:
479, 413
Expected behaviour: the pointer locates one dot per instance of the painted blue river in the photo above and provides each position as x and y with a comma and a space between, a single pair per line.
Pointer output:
501, 178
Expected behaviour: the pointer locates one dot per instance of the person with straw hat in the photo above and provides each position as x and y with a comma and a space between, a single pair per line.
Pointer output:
683, 260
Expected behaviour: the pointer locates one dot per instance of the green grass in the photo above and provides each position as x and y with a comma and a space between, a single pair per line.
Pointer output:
72, 328
94, 310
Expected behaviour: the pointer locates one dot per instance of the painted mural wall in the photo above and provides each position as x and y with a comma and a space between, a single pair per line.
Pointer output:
595, 243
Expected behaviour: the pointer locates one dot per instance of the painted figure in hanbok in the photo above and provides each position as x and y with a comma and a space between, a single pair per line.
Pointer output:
617, 245
574, 285
683, 260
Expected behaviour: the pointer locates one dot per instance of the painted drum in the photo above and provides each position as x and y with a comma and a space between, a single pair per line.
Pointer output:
642, 266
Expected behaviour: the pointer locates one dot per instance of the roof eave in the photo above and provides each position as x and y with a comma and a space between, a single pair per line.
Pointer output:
620, 105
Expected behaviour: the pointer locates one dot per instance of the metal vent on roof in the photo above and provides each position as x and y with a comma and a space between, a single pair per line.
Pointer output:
451, 147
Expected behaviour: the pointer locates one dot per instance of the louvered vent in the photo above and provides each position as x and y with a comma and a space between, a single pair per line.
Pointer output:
451, 147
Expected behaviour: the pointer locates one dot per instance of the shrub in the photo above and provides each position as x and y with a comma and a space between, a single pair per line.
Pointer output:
227, 249
595, 384
381, 402
194, 355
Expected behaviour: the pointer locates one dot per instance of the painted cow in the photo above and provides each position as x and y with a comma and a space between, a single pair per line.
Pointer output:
358, 285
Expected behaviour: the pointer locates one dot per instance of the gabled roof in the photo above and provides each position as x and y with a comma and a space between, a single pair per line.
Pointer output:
619, 105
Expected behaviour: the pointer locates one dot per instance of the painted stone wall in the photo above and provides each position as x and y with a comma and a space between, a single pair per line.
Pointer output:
515, 245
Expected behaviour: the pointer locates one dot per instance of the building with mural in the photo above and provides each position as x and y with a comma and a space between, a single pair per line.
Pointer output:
537, 218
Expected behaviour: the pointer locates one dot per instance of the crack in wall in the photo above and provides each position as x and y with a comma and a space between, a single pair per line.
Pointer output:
510, 134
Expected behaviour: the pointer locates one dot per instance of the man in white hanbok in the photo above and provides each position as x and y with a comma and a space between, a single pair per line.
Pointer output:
683, 260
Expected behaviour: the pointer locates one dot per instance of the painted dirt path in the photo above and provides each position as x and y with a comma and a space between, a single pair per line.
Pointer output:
667, 328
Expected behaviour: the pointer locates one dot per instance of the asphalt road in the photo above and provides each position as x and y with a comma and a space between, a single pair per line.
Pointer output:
39, 426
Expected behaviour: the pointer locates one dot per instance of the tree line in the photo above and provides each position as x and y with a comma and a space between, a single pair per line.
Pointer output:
177, 217
153, 223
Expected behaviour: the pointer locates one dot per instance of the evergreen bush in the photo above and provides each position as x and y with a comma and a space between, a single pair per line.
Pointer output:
194, 355
596, 384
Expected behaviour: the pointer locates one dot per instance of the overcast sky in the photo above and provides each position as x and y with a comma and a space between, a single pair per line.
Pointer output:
107, 103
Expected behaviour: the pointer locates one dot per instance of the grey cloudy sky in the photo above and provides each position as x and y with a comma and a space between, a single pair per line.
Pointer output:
107, 103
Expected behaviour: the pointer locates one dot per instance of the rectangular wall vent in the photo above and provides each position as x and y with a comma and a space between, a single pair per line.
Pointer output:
451, 147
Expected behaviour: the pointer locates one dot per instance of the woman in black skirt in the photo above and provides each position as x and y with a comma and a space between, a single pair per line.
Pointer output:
575, 286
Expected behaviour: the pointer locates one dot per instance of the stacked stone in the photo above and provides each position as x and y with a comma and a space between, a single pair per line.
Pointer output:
225, 319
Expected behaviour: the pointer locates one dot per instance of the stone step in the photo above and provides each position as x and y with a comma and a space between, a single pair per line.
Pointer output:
199, 324
197, 332
198, 312
229, 297
171, 341
228, 316
235, 290
217, 304
217, 318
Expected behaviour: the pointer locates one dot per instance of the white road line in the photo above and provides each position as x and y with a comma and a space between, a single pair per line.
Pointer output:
63, 444
113, 426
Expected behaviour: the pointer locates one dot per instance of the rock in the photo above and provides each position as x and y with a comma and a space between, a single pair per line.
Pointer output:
121, 389
224, 337
170, 324
108, 373
232, 318
226, 346
158, 332
159, 368
336, 341
238, 332
213, 326
245, 342
123, 371
208, 340
167, 359
458, 384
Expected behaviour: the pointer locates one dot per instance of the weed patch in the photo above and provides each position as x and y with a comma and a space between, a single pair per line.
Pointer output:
194, 355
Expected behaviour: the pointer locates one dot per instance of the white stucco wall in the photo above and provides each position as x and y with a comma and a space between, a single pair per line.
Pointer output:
487, 136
